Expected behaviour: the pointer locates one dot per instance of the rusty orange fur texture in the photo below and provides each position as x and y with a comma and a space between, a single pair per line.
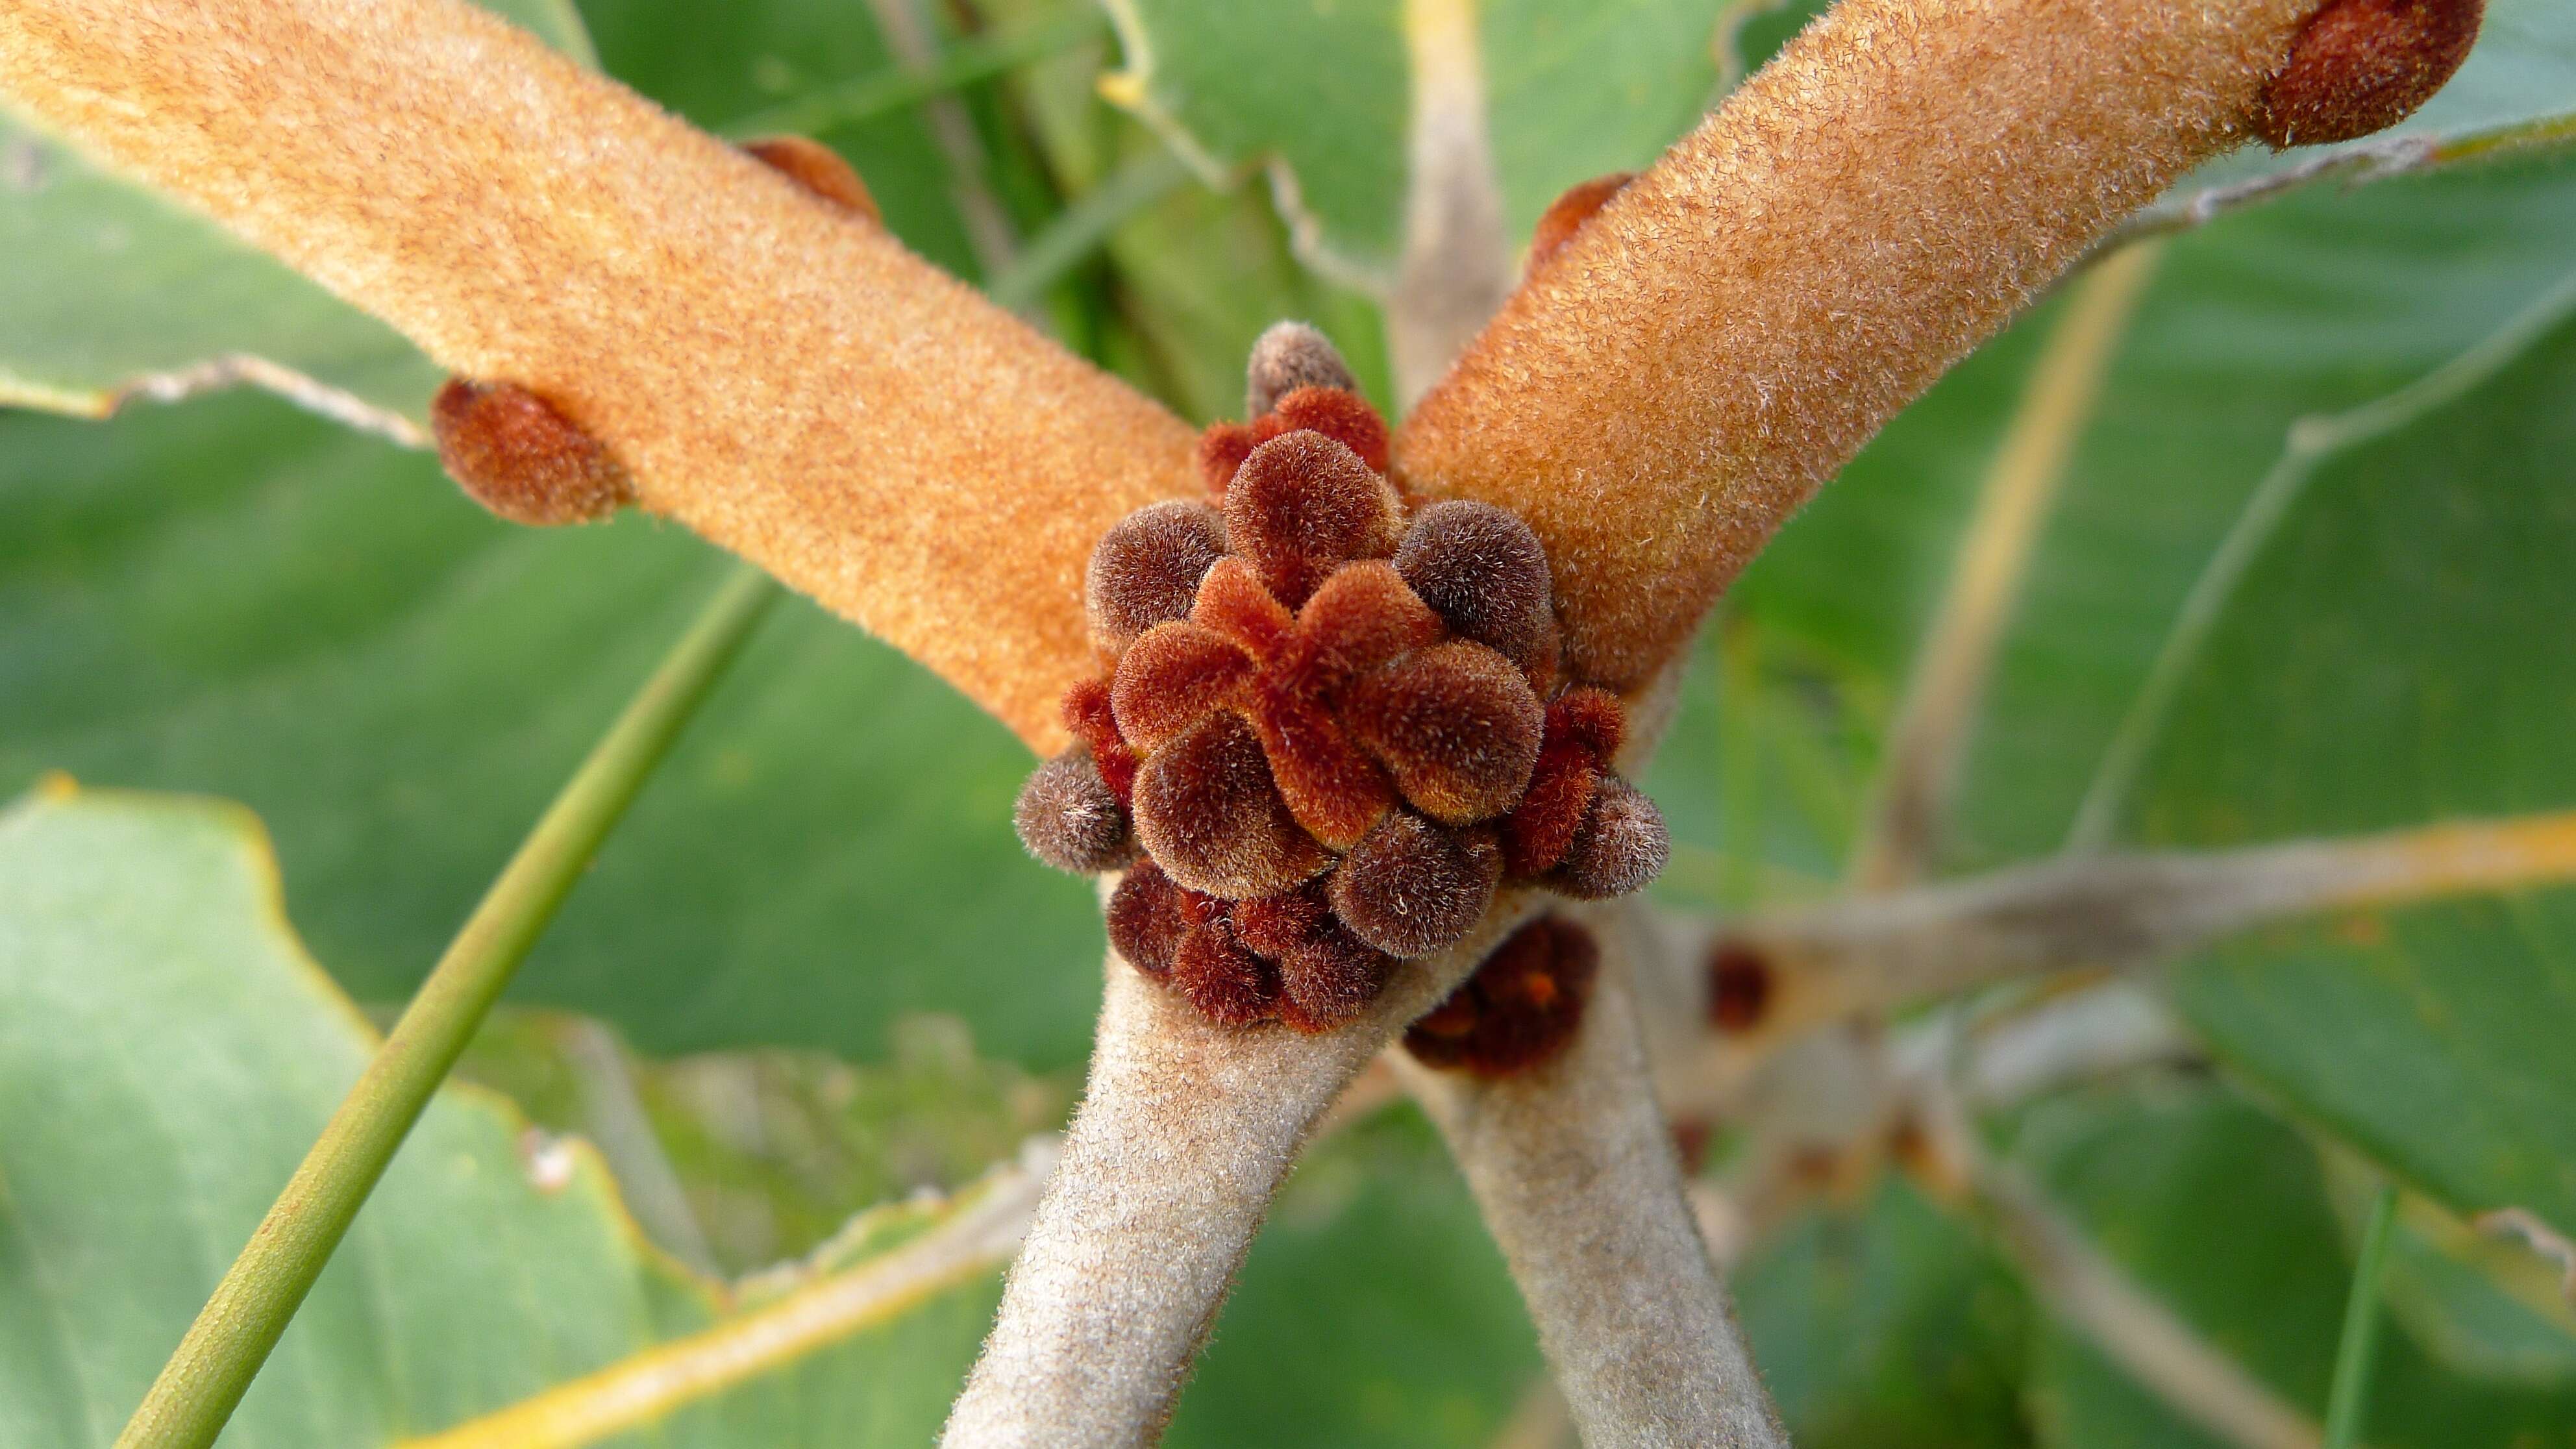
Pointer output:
776, 374
1731, 326
2360, 66
512, 452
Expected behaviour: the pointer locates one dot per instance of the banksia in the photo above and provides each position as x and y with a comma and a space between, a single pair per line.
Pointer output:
1519, 1009
1331, 728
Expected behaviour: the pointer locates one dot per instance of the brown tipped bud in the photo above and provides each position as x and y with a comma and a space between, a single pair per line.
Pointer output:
1344, 417
1068, 817
1410, 887
2364, 65
1363, 617
1522, 1006
1566, 215
1483, 571
514, 454
1146, 569
1148, 917
1329, 981
1621, 846
1227, 983
1288, 356
819, 169
1301, 506
1739, 987
1456, 725
1207, 810
1175, 676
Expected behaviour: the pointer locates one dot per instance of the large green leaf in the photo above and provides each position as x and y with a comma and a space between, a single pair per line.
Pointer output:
113, 291
230, 597
2395, 648
167, 1052
1320, 91
2220, 1213
1886, 1324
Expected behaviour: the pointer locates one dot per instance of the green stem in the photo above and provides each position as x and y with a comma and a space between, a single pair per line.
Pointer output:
1078, 230
203, 1381
870, 96
2351, 1392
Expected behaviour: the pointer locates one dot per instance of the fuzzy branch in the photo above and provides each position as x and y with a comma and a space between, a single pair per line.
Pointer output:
1737, 322
776, 375
1184, 1134
1573, 1167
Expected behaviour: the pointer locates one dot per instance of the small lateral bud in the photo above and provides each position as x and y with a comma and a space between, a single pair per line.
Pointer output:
1621, 846
1410, 887
1481, 569
2361, 66
1566, 215
1068, 817
1520, 1008
1288, 356
1146, 569
819, 169
513, 453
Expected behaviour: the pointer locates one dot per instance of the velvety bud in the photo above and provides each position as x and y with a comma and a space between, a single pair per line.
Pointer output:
1173, 677
1411, 887
513, 453
1301, 506
1206, 808
1146, 569
1149, 916
1456, 725
1068, 817
1288, 356
1566, 215
1620, 848
2360, 66
1481, 570
1328, 982
1226, 982
820, 170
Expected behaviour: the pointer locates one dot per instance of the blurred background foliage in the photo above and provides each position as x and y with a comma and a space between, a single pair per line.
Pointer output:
812, 973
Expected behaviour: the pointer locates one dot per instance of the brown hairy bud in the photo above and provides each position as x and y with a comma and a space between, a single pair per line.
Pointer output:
1621, 846
1206, 809
1149, 915
1288, 356
1520, 1008
1330, 980
516, 455
1222, 978
1411, 887
1345, 417
819, 169
1301, 506
1068, 816
1173, 678
1483, 571
1739, 987
1584, 727
1089, 718
1146, 569
1458, 727
2360, 66
1566, 215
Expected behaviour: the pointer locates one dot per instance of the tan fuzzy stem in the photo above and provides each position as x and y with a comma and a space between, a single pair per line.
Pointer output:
1184, 1134
1738, 321
775, 374
1574, 1168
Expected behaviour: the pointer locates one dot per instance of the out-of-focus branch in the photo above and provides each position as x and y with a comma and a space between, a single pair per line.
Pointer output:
773, 373
1677, 379
1457, 266
1167, 1170
1877, 952
1573, 1166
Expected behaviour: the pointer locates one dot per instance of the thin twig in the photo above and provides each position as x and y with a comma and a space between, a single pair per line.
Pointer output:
1951, 669
198, 1388
1869, 953
978, 1236
1573, 1166
1457, 265
1168, 1168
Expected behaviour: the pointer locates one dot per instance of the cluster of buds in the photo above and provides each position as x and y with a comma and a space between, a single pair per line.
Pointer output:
1521, 1006
1331, 728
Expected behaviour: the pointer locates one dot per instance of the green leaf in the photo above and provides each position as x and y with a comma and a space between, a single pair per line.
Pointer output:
2220, 1213
1886, 1324
167, 1050
1320, 93
230, 597
113, 292
2393, 648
